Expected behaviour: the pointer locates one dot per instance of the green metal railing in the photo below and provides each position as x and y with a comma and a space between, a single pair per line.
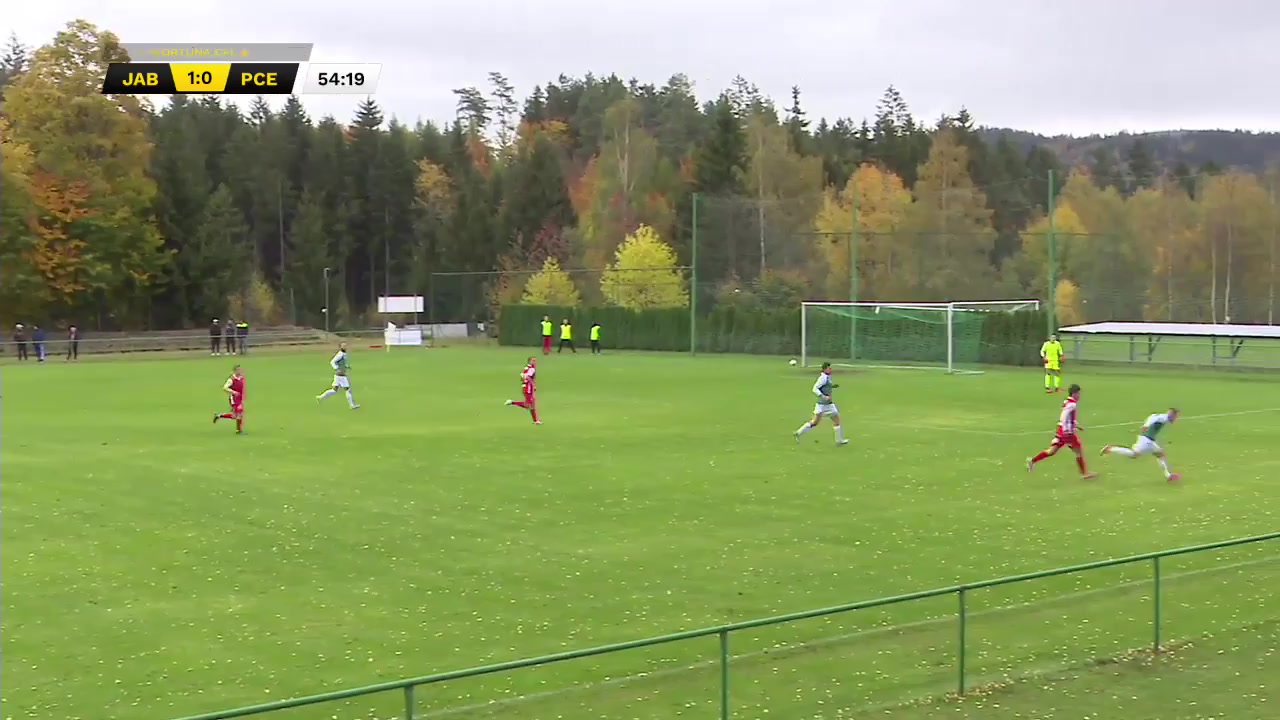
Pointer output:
722, 632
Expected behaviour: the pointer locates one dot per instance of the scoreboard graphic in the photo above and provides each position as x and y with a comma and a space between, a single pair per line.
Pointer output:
245, 69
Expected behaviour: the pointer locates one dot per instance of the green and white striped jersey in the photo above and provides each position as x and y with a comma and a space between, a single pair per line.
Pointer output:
340, 363
823, 386
1154, 424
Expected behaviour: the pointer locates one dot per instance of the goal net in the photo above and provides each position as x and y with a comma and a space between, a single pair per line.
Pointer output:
930, 336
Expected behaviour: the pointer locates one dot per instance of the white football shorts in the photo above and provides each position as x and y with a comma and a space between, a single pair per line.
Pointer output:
341, 381
825, 410
1146, 446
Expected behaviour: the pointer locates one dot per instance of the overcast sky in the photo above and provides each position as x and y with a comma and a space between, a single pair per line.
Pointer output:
1053, 66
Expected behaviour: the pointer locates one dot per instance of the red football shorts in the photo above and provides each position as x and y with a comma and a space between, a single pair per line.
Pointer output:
528, 397
546, 342
237, 406
1067, 440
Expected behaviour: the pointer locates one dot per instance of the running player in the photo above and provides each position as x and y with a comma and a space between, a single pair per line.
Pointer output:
234, 388
1051, 353
825, 407
341, 365
1146, 444
1065, 436
528, 386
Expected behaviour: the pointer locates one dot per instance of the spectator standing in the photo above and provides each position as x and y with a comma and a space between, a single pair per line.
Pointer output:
546, 334
229, 336
215, 338
242, 336
73, 343
566, 337
38, 339
20, 341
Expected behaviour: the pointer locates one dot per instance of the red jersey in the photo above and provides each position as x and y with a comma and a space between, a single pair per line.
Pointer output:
1067, 420
236, 384
527, 379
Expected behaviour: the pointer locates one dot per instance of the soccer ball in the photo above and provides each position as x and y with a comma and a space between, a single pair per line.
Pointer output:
792, 362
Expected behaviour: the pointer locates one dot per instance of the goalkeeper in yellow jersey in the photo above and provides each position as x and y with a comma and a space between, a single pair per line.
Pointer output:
1051, 354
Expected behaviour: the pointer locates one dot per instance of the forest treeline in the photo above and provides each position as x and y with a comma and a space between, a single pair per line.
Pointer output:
119, 214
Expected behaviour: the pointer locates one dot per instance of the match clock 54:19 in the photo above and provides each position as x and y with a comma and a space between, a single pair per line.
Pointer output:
342, 78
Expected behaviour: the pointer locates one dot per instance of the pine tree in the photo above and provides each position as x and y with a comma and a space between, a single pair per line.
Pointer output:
504, 107
216, 260
179, 166
473, 110
1143, 169
1041, 161
797, 124
535, 106
367, 223
309, 245
721, 161
394, 176
15, 61
537, 197
1104, 168
1009, 197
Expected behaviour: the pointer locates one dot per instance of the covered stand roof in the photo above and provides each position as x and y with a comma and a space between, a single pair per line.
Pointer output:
1175, 329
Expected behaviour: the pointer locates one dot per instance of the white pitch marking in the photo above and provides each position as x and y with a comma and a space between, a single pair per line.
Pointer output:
1132, 423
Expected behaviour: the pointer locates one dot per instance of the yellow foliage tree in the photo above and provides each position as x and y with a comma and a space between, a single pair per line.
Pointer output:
1238, 229
1031, 263
1068, 304
950, 234
883, 202
1166, 223
434, 189
100, 146
644, 274
551, 286
21, 286
1106, 264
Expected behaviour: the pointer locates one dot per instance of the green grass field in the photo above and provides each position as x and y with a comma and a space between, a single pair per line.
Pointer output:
156, 565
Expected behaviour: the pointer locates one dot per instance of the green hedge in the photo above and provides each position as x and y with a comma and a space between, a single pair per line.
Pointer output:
998, 338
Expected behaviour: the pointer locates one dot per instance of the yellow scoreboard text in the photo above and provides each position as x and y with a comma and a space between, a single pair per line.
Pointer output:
200, 78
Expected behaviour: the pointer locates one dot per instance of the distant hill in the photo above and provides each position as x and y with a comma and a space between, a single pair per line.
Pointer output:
1227, 148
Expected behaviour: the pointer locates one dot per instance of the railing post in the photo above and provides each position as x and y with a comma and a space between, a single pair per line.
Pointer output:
724, 675
408, 702
1156, 609
963, 640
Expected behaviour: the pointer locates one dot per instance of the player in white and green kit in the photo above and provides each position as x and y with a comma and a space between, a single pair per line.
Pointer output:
825, 407
1146, 444
341, 365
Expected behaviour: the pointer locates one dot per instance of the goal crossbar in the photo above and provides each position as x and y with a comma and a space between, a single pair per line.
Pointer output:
928, 357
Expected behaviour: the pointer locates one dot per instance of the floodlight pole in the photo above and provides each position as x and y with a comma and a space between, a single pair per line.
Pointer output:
853, 273
326, 301
693, 280
1052, 309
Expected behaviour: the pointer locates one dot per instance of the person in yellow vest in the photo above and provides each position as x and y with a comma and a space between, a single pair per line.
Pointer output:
1051, 353
595, 338
546, 334
566, 337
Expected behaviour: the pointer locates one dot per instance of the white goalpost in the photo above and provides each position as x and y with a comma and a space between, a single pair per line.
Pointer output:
908, 336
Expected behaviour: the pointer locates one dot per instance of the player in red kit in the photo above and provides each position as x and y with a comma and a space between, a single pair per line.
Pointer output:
234, 387
1065, 436
528, 385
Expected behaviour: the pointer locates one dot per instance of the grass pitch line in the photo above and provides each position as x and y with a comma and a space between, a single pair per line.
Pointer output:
1135, 424
823, 642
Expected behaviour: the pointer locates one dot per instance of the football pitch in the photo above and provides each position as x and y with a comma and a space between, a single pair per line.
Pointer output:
156, 565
